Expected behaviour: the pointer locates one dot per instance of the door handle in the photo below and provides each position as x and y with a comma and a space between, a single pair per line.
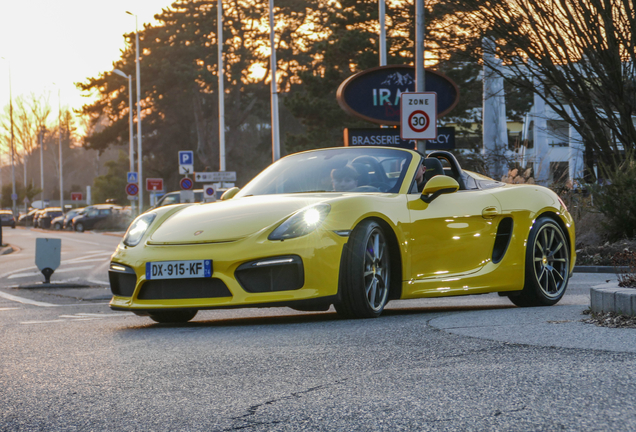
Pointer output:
489, 212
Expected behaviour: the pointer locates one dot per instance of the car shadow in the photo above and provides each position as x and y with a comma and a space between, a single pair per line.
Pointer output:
298, 317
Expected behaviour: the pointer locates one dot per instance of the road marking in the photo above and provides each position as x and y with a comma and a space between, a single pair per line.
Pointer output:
98, 282
78, 317
64, 270
9, 308
25, 301
84, 260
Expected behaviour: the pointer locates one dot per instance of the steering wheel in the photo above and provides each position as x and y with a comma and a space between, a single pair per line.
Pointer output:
379, 170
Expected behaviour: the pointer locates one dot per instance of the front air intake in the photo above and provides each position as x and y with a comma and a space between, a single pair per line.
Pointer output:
122, 280
282, 273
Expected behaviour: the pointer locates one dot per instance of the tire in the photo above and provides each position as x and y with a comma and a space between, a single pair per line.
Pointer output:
366, 273
173, 316
13, 226
57, 226
79, 227
547, 266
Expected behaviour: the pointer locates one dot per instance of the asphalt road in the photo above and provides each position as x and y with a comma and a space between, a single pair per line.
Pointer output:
474, 363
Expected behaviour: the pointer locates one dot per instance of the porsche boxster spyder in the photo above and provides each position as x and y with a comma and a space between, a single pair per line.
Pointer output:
353, 227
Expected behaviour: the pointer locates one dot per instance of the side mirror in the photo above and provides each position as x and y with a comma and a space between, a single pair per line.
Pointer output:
440, 184
229, 194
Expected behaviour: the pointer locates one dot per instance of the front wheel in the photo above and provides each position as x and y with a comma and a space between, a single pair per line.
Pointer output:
366, 277
79, 227
57, 226
174, 316
547, 266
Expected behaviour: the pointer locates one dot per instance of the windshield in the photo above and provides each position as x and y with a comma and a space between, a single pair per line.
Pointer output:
358, 170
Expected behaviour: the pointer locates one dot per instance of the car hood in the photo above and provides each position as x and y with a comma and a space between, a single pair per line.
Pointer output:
230, 220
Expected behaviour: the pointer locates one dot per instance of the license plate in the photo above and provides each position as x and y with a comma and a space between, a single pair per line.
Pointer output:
179, 269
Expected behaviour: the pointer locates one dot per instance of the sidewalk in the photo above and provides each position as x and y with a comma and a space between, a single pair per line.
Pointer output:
553, 326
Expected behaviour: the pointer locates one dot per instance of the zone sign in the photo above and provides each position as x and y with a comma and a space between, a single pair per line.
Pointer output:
418, 116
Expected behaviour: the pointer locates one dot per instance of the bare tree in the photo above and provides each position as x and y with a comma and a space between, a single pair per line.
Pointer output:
581, 53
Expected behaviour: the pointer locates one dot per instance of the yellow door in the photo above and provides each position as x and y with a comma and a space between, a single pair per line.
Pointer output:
453, 235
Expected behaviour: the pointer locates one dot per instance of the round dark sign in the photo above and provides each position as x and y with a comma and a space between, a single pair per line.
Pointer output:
186, 183
374, 94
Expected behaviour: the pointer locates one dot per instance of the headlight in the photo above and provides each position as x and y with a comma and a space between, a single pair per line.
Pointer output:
301, 223
138, 228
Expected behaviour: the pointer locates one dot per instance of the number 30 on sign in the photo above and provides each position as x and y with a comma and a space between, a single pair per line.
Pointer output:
418, 116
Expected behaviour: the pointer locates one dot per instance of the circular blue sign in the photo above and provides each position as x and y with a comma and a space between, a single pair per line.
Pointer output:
374, 94
209, 191
186, 183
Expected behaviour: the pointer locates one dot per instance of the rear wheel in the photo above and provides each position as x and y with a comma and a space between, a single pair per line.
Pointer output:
547, 266
79, 227
57, 226
173, 317
366, 277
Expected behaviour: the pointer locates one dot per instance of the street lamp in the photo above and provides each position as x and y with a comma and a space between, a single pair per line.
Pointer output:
139, 152
59, 124
131, 155
13, 195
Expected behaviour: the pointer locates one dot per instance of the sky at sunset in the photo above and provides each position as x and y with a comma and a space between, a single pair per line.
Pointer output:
63, 42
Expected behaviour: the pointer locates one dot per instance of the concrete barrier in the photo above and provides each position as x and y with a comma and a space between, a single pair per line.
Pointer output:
618, 300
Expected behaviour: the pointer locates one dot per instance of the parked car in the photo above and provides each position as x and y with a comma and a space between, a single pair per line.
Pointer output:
47, 215
7, 218
64, 221
175, 198
36, 218
292, 236
95, 215
27, 219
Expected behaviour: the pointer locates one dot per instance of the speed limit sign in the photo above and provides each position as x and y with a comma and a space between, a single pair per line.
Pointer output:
418, 116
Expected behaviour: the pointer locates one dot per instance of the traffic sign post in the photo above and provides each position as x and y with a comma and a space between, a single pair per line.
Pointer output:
186, 162
186, 183
217, 176
186, 157
132, 189
209, 193
418, 116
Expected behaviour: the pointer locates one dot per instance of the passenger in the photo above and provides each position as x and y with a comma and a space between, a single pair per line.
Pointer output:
419, 176
344, 179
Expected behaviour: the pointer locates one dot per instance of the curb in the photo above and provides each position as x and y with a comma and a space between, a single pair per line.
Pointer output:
8, 249
621, 301
599, 269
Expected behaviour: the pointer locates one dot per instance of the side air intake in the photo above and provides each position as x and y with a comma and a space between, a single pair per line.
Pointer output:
504, 234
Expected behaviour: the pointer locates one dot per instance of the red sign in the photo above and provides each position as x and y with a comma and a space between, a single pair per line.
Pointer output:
76, 196
154, 184
132, 189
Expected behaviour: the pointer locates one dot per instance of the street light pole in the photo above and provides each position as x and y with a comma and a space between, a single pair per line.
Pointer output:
13, 195
274, 89
139, 153
131, 156
219, 38
59, 121
419, 58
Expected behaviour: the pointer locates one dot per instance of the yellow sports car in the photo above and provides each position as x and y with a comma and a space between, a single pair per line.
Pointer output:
354, 227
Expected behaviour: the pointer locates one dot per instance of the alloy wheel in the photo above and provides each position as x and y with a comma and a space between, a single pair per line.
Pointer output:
376, 270
551, 262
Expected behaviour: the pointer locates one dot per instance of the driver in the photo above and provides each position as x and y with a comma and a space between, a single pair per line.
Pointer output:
419, 176
344, 179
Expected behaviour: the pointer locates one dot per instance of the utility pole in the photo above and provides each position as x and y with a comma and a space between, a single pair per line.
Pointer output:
219, 38
274, 89
419, 58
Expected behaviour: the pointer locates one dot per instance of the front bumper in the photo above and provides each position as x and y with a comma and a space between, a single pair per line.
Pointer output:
237, 280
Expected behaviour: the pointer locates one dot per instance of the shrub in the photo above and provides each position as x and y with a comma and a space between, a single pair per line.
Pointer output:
617, 200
